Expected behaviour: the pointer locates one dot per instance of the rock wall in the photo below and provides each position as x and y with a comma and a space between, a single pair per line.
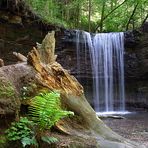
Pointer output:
136, 71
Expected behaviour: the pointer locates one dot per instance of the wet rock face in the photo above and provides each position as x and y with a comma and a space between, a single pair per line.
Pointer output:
136, 57
136, 95
136, 72
136, 64
131, 38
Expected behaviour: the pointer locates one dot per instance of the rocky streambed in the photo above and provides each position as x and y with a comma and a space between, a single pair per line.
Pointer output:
134, 126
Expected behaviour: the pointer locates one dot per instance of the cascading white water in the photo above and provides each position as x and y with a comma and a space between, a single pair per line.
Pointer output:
106, 52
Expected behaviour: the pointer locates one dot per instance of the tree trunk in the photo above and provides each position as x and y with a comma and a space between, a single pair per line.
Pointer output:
102, 16
43, 70
131, 17
89, 15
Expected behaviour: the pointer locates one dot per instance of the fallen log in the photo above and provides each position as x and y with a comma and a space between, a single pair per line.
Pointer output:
42, 70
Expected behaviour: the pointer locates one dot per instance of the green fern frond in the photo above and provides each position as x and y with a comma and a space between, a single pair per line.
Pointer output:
45, 109
49, 140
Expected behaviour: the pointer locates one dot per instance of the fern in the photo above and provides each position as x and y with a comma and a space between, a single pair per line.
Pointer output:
29, 141
22, 131
49, 140
46, 111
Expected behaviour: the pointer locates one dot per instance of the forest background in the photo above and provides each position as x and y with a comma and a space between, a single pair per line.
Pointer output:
92, 15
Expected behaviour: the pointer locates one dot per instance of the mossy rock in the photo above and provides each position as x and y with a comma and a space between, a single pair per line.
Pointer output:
9, 100
6, 89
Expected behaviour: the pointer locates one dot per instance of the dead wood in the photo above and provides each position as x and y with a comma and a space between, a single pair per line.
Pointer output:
20, 57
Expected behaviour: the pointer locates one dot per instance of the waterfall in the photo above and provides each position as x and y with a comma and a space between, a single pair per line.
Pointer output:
106, 51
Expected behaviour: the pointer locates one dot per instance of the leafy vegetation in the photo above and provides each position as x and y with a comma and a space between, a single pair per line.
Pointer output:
45, 110
2, 139
49, 140
93, 15
22, 131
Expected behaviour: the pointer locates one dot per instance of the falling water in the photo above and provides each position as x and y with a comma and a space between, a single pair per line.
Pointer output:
107, 62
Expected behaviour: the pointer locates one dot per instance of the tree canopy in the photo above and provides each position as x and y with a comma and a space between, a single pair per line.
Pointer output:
93, 15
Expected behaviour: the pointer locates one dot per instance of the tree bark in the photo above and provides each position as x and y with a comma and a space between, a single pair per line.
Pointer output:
43, 70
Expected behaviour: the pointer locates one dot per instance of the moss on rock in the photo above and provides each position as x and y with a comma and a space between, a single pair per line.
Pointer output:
6, 89
9, 100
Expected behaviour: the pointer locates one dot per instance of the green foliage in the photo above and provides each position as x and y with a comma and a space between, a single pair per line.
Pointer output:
29, 141
46, 111
22, 131
2, 139
105, 15
49, 140
47, 10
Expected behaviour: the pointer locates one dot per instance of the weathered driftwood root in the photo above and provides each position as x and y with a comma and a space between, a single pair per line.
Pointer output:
46, 72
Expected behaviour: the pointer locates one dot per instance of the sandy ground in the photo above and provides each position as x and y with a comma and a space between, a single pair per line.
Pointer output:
134, 127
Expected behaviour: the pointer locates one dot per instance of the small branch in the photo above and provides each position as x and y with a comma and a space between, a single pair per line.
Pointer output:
145, 19
133, 12
20, 57
110, 14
